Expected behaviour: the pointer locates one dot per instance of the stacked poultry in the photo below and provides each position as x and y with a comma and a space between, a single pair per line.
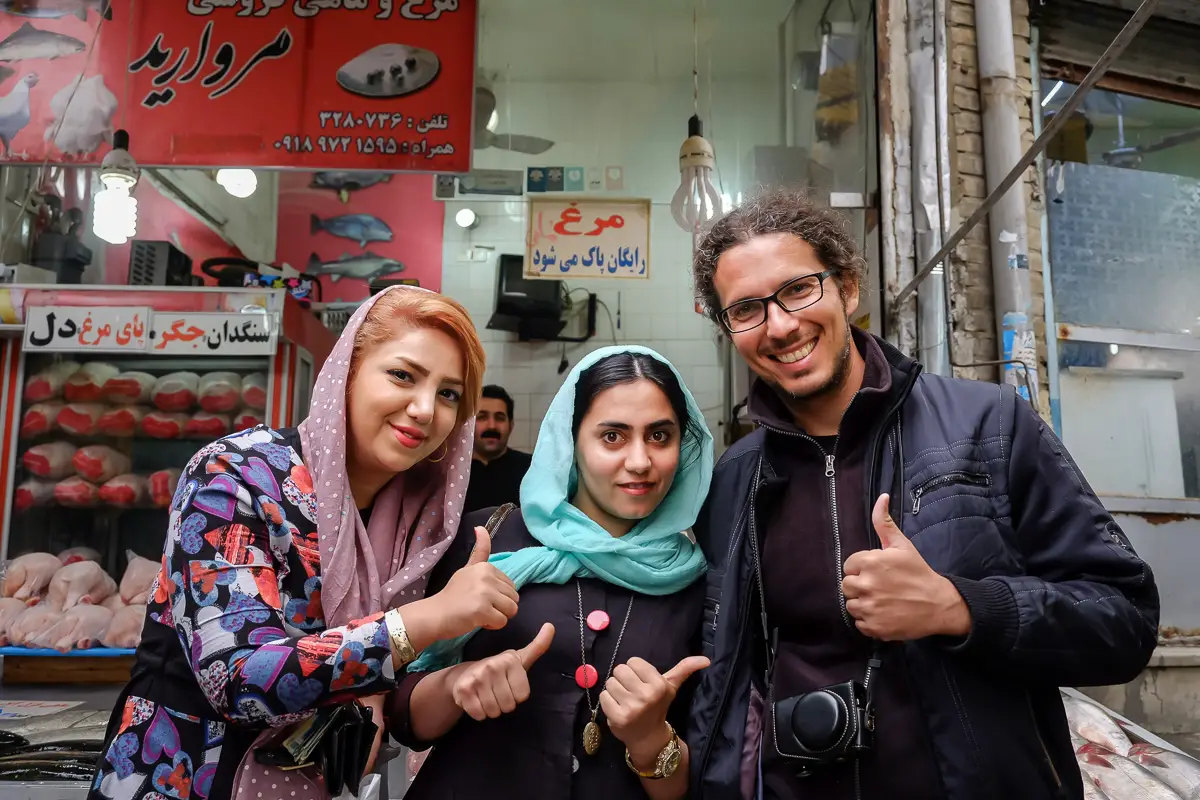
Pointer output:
68, 601
69, 400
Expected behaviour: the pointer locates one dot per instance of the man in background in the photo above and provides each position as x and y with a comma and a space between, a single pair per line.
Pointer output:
496, 471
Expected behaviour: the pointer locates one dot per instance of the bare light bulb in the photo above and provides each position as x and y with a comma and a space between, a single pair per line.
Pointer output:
240, 183
114, 208
466, 218
696, 202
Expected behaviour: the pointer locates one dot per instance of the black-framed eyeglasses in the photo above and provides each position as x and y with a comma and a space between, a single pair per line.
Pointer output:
795, 295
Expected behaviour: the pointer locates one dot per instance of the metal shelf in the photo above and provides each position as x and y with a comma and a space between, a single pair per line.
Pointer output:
91, 652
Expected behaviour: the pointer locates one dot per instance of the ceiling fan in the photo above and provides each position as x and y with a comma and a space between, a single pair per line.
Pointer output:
487, 119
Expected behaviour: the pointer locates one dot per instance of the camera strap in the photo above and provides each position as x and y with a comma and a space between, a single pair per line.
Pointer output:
771, 636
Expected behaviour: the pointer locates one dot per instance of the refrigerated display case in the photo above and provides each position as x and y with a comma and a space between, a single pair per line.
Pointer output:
105, 395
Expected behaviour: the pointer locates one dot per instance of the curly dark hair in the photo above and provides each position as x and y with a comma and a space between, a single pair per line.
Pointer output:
777, 211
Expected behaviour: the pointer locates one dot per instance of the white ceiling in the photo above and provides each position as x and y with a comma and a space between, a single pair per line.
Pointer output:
629, 40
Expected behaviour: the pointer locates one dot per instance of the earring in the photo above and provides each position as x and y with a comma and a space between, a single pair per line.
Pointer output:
445, 452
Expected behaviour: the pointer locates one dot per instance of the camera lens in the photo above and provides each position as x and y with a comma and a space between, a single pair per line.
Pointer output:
819, 720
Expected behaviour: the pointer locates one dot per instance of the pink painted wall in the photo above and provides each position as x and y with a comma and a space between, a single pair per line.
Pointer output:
404, 203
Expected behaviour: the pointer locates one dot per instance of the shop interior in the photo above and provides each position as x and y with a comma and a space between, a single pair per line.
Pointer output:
782, 91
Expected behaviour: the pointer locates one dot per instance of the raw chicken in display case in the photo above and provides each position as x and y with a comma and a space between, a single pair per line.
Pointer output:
67, 603
102, 443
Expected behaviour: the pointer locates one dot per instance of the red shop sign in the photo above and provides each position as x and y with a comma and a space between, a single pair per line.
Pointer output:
308, 84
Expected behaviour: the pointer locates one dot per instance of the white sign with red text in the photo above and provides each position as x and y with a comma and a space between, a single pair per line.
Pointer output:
214, 334
140, 330
82, 329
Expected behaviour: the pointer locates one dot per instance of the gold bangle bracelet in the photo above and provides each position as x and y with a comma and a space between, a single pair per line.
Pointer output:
402, 649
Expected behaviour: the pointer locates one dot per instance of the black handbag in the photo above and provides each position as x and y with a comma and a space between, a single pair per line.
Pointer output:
336, 740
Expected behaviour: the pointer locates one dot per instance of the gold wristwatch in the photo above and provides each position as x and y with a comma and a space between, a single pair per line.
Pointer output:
402, 649
667, 762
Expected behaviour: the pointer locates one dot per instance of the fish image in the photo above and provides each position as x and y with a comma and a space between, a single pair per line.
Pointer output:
345, 182
1092, 723
86, 123
1092, 792
389, 70
56, 9
1121, 778
361, 228
1180, 772
28, 42
6, 73
367, 267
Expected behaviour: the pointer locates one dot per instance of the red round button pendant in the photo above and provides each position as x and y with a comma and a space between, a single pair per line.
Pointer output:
597, 620
587, 676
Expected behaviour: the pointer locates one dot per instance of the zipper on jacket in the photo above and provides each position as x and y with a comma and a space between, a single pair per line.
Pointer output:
733, 543
972, 478
831, 476
724, 698
1037, 730
742, 621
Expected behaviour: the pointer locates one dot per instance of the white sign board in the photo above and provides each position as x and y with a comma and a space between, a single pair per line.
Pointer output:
24, 709
588, 238
80, 328
141, 330
196, 334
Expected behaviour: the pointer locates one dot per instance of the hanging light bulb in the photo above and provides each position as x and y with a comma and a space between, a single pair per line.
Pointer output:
696, 202
114, 208
240, 183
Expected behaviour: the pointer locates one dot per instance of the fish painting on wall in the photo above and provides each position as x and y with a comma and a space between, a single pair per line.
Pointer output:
350, 228
46, 89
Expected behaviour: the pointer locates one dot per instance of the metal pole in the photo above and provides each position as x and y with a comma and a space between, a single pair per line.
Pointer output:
927, 50
1118, 45
1002, 150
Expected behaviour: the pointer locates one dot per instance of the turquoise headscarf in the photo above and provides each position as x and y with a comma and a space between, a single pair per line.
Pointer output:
654, 558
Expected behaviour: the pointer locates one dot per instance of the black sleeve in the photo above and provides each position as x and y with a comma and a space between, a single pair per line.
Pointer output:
1086, 611
399, 720
460, 551
680, 711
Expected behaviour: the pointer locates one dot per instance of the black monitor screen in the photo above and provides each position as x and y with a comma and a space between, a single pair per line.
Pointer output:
516, 293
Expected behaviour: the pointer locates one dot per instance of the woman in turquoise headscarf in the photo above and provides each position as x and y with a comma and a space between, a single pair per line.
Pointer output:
581, 693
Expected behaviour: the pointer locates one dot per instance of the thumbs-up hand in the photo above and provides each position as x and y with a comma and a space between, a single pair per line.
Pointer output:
496, 685
477, 596
635, 701
893, 595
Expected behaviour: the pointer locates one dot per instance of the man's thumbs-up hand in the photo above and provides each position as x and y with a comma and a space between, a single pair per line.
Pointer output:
894, 595
890, 536
494, 686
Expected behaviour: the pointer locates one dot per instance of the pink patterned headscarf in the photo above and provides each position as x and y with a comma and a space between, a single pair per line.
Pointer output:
365, 569
414, 518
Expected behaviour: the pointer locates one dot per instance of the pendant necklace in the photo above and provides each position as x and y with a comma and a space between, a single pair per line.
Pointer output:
587, 676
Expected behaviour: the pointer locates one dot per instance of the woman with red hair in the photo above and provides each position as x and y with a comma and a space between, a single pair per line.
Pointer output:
287, 548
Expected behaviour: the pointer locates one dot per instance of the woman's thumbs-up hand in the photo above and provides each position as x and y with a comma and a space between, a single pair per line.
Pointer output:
496, 685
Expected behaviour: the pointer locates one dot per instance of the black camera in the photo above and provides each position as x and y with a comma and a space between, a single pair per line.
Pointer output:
823, 727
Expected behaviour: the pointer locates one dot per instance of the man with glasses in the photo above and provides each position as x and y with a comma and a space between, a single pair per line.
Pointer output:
904, 568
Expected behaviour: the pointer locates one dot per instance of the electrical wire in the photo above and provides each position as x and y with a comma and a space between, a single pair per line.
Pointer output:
612, 325
34, 184
712, 115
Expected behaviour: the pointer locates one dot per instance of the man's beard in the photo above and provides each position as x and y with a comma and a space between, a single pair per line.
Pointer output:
841, 371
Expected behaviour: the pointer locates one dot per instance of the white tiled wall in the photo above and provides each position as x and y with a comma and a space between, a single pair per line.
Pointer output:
640, 128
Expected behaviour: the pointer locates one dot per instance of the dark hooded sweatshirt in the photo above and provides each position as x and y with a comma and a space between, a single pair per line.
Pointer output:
814, 520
